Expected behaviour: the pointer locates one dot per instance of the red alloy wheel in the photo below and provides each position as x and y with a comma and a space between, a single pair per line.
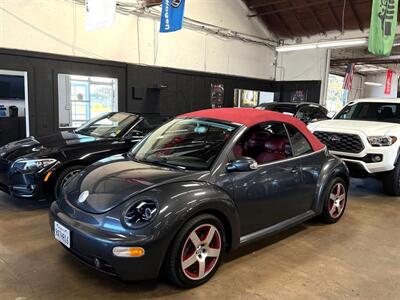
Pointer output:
337, 200
201, 251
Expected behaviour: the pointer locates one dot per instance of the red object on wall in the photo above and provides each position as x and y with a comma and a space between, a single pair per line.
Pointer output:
388, 84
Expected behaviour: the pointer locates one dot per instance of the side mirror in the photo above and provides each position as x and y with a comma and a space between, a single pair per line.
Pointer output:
243, 164
134, 135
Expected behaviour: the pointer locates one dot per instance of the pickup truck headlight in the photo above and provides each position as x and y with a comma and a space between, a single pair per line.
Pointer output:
381, 141
141, 213
33, 164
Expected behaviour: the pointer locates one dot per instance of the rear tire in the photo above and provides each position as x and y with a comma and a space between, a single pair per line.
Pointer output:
196, 252
63, 178
335, 200
391, 182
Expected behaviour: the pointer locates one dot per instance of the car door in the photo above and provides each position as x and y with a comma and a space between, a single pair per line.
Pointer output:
311, 163
267, 195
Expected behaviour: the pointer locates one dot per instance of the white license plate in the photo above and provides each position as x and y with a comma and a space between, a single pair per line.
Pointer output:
62, 234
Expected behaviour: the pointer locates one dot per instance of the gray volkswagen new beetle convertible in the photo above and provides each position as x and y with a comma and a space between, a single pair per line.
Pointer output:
202, 184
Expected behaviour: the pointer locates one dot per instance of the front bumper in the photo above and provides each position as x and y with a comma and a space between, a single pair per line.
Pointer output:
388, 154
22, 185
94, 246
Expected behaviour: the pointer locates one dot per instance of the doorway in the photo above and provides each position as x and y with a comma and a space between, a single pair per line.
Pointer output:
14, 104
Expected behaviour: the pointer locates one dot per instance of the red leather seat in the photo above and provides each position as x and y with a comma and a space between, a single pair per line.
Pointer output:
274, 149
238, 151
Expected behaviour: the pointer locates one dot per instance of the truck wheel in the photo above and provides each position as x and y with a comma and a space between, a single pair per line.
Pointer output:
335, 200
196, 252
64, 177
391, 182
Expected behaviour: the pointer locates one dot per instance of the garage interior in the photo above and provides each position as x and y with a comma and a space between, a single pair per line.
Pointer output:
226, 55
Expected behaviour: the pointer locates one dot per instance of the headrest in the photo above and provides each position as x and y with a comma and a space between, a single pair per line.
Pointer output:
275, 143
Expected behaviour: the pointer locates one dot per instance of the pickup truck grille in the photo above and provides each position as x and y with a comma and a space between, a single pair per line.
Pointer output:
342, 142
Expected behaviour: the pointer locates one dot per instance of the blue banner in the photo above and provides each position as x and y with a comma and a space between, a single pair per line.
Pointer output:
172, 15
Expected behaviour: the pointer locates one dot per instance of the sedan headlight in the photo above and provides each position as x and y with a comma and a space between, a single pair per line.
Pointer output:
33, 164
381, 141
141, 213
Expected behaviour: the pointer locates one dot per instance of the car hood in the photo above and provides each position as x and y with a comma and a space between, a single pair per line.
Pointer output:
367, 128
108, 184
42, 146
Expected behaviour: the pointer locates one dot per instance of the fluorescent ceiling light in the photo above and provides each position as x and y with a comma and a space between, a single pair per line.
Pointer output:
342, 43
296, 47
323, 44
372, 83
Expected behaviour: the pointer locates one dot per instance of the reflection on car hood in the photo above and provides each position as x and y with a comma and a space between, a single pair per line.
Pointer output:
111, 183
43, 145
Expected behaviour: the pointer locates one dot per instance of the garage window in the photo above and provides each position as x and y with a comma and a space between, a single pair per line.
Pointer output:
82, 98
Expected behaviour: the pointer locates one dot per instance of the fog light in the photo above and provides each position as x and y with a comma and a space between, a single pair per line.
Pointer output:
376, 158
128, 251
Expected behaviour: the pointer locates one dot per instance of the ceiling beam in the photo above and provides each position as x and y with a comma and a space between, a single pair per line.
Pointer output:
373, 60
355, 14
277, 11
335, 17
284, 23
298, 20
149, 3
263, 3
315, 16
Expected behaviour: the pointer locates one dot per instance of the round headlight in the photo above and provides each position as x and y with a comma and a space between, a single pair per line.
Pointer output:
141, 213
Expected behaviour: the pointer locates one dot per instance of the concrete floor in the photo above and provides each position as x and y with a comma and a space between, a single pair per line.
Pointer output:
357, 258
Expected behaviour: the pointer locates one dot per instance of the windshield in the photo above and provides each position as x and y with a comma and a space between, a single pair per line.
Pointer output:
371, 111
108, 125
184, 143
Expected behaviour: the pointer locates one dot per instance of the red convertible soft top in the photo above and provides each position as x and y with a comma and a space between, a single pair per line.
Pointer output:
250, 117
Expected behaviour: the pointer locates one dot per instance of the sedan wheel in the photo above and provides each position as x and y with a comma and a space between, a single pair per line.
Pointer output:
196, 252
68, 176
64, 177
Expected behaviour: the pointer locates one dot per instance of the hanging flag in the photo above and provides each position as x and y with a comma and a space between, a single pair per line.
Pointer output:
172, 15
348, 78
388, 84
99, 14
383, 26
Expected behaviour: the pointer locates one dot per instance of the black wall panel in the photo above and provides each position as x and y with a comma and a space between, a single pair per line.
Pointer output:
141, 89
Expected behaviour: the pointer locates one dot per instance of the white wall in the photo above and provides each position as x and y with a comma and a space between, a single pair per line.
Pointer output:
310, 64
49, 26
371, 91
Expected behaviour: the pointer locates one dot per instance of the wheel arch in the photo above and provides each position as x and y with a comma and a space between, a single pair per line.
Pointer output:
333, 168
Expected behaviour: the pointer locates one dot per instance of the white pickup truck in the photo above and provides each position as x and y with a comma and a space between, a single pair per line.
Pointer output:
366, 135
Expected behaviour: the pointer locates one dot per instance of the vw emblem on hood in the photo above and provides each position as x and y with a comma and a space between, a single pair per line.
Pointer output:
83, 196
334, 139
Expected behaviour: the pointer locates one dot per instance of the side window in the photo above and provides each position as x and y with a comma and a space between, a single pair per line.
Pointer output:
299, 142
265, 143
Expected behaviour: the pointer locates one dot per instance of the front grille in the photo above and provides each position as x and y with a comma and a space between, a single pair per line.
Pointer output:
342, 142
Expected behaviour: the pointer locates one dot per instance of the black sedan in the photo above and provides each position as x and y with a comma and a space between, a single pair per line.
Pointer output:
200, 185
306, 111
37, 167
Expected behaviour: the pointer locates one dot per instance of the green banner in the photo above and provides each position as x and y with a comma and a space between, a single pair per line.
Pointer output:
383, 26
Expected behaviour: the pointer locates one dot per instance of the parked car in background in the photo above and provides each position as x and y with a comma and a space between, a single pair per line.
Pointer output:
38, 167
366, 135
202, 184
306, 111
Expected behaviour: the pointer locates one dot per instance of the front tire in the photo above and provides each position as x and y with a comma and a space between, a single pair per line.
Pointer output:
196, 252
391, 182
64, 177
335, 200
